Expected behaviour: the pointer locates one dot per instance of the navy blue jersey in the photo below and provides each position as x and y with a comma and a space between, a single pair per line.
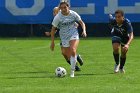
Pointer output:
121, 31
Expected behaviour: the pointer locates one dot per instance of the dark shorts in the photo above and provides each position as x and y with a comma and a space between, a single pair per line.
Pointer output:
61, 44
122, 41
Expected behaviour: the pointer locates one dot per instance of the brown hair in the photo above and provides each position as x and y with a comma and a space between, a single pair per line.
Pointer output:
119, 12
64, 3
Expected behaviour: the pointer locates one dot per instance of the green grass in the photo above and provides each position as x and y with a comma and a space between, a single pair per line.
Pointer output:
27, 66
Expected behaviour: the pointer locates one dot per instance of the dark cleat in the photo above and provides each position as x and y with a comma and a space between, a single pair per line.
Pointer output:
77, 68
80, 60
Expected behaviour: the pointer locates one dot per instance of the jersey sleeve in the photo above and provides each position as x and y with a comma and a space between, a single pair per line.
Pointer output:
77, 16
129, 27
111, 19
55, 21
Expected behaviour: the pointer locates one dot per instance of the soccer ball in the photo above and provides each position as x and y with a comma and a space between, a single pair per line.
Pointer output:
60, 72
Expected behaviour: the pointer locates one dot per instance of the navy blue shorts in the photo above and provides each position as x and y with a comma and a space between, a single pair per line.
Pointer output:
122, 41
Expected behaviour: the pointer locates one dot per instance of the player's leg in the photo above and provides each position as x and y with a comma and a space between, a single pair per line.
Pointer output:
79, 59
73, 59
65, 49
123, 54
122, 59
116, 46
66, 54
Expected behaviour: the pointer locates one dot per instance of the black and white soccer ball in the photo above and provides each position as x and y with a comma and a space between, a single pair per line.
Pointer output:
60, 72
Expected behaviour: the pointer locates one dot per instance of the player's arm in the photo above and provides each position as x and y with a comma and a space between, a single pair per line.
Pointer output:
78, 19
53, 31
76, 25
84, 34
47, 33
131, 35
130, 31
111, 21
111, 18
48, 30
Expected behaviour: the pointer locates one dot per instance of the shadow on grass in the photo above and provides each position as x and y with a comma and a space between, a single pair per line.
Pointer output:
41, 74
93, 74
35, 72
45, 74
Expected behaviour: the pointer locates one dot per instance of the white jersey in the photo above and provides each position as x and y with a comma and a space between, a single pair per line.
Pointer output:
66, 24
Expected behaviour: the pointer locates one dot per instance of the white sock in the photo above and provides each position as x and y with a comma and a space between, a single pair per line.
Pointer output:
73, 61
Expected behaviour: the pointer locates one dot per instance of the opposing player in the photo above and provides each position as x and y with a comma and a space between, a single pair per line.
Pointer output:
122, 35
55, 12
65, 21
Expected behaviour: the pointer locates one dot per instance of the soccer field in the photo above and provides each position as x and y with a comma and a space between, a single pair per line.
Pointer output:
27, 66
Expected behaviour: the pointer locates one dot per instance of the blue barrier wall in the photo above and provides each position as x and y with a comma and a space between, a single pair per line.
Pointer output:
40, 11
26, 30
93, 12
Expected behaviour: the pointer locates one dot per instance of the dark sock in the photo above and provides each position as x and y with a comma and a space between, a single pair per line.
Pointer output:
116, 58
122, 62
68, 61
77, 57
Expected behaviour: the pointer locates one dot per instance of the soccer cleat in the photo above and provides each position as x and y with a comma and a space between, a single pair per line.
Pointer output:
77, 68
72, 73
116, 68
80, 60
122, 71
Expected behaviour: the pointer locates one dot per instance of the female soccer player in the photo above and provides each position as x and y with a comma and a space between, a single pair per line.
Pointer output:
66, 54
122, 35
65, 21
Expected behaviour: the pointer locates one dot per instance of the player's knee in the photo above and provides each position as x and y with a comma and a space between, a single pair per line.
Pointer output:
73, 51
124, 51
63, 53
116, 50
65, 56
